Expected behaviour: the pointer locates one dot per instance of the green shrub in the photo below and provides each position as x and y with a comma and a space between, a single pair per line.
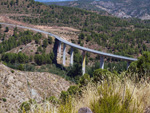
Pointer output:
26, 106
7, 29
73, 90
74, 70
50, 40
21, 67
66, 107
53, 100
101, 74
4, 99
141, 66
64, 96
45, 43
29, 67
12, 71
112, 101
84, 80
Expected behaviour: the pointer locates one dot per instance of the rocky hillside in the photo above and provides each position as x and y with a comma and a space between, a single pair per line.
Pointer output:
17, 87
120, 8
125, 8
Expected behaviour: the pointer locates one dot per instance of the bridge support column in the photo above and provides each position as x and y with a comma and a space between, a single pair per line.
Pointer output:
83, 63
71, 56
128, 64
101, 62
59, 49
64, 55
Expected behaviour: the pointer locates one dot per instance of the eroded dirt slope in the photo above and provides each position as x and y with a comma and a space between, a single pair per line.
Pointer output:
17, 87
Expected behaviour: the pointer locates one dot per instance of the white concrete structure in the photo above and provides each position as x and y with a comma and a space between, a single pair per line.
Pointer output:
83, 62
59, 49
101, 62
71, 56
64, 55
102, 54
128, 64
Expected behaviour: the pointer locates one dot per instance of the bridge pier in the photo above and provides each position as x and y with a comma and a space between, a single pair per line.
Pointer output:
58, 43
83, 63
59, 49
71, 56
128, 64
101, 62
64, 55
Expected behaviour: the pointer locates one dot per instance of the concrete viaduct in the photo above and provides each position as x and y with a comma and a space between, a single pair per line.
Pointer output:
60, 41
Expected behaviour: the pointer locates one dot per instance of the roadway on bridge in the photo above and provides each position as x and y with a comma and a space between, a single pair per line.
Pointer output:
74, 45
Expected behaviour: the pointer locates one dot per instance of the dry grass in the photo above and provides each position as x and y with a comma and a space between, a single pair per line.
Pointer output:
139, 95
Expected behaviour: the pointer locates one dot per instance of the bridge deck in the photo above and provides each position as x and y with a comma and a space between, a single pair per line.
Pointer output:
76, 46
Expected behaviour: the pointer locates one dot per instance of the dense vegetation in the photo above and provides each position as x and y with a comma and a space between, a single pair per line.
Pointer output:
18, 38
123, 37
113, 34
142, 65
22, 58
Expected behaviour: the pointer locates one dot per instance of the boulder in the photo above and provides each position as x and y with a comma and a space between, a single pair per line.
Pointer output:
85, 110
147, 110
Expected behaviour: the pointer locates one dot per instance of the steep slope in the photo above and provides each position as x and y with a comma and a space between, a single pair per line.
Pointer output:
120, 8
83, 4
126, 8
17, 87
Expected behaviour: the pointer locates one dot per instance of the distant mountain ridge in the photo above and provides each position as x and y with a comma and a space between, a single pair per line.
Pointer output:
120, 8
126, 8
54, 0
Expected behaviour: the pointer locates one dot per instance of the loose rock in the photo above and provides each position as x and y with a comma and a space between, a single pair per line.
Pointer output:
85, 110
147, 110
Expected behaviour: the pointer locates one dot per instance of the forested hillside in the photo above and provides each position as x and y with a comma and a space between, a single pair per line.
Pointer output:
108, 32
114, 89
119, 8
113, 35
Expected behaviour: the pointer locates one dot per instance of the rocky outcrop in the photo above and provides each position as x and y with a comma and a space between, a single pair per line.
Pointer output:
126, 8
119, 8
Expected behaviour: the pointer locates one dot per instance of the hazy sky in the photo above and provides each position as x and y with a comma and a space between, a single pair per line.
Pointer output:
51, 0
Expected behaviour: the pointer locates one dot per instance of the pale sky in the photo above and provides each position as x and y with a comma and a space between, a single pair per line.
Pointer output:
51, 0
